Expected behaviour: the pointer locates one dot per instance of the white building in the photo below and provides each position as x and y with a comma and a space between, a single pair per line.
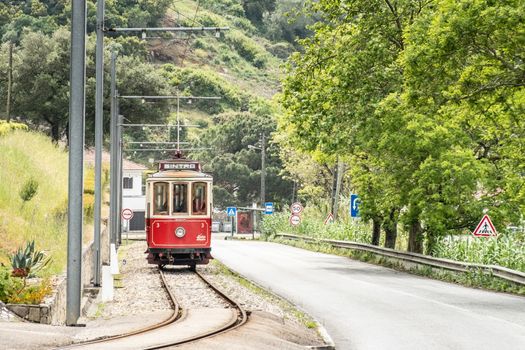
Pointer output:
133, 194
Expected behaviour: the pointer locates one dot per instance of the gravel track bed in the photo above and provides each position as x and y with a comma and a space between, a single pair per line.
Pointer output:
191, 291
245, 296
141, 290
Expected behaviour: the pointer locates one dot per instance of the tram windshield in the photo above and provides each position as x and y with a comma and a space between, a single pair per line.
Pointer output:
180, 194
199, 198
160, 198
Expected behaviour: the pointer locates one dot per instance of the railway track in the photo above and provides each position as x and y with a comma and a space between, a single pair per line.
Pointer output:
135, 338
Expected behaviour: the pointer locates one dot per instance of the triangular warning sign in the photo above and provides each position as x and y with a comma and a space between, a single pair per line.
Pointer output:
485, 228
329, 219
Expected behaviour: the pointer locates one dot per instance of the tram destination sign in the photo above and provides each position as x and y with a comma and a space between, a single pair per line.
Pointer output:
179, 166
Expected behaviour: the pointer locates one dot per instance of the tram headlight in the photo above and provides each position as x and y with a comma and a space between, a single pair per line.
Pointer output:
180, 232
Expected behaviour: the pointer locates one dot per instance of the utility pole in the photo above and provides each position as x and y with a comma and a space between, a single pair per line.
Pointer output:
99, 122
119, 177
9, 81
263, 169
76, 161
113, 207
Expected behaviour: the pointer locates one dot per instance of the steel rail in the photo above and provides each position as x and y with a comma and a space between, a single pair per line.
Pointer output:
504, 273
178, 313
175, 316
241, 319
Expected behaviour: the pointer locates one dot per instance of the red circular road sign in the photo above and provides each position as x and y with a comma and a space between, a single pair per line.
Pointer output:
296, 208
127, 214
295, 220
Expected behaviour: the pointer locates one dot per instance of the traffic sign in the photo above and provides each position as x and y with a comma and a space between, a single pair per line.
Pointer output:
231, 211
127, 214
354, 205
295, 220
296, 208
485, 228
268, 208
329, 219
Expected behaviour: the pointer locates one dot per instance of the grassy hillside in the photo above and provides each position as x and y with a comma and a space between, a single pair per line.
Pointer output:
241, 66
25, 156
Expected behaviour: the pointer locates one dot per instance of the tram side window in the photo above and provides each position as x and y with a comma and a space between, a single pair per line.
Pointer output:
160, 198
199, 198
180, 201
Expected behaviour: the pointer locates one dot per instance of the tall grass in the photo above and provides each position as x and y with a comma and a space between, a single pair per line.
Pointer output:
508, 250
312, 225
25, 155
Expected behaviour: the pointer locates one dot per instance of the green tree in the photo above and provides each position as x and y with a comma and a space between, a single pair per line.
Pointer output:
235, 167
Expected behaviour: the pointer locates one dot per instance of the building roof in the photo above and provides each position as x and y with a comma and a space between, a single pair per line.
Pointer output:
89, 158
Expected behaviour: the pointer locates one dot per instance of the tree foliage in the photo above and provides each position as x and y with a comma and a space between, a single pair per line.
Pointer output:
237, 168
423, 99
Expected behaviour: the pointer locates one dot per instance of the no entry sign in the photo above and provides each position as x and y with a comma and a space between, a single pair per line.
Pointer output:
127, 214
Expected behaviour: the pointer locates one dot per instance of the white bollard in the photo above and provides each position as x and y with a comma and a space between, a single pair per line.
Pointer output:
114, 260
107, 284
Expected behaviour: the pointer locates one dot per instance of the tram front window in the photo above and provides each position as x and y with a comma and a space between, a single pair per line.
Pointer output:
199, 198
180, 201
160, 198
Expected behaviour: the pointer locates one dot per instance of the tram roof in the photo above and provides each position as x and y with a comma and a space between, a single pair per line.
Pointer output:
180, 174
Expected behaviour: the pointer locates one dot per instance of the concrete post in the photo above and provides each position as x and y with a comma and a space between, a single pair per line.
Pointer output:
120, 121
99, 116
113, 217
76, 159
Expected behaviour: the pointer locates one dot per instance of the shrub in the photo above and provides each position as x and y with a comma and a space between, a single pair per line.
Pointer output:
6, 127
246, 47
28, 190
8, 284
281, 50
26, 262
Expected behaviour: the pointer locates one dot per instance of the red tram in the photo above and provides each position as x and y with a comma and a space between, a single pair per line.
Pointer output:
178, 214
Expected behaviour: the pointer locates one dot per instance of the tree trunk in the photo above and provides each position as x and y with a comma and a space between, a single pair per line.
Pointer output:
415, 237
431, 243
9, 82
376, 231
391, 230
334, 190
55, 131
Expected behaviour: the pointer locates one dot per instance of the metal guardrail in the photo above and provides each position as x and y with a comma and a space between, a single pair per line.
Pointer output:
513, 276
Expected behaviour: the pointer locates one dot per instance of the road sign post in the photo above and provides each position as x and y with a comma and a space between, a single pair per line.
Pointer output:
232, 213
268, 208
127, 214
485, 228
296, 208
329, 219
354, 205
295, 220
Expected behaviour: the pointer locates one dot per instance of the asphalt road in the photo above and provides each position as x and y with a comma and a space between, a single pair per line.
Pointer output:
364, 306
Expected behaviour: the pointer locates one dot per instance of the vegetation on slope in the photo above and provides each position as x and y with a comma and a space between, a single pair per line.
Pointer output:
42, 218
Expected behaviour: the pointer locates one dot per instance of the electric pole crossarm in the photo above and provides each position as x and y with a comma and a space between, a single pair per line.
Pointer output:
166, 149
168, 29
155, 143
171, 97
161, 125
